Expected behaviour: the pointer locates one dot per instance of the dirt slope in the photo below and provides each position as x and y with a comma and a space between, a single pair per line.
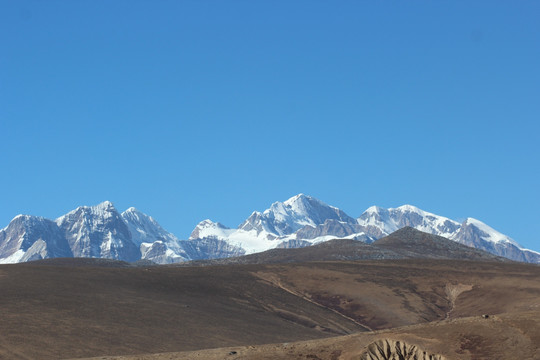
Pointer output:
52, 312
391, 293
513, 336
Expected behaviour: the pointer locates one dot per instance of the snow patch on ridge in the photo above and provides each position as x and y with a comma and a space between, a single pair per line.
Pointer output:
13, 258
491, 234
207, 228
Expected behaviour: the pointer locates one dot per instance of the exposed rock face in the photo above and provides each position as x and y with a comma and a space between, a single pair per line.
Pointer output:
101, 232
285, 218
32, 238
158, 252
476, 234
98, 231
94, 232
332, 227
378, 222
308, 220
293, 244
144, 229
397, 350
206, 227
210, 248
297, 222
154, 242
259, 223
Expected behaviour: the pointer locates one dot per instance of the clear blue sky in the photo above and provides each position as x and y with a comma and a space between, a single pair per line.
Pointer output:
212, 109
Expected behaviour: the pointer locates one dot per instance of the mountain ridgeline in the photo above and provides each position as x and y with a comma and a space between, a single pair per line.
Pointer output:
102, 232
405, 243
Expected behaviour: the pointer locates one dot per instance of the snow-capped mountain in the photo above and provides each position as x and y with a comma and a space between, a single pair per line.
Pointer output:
29, 238
300, 220
90, 231
476, 234
154, 242
101, 231
303, 221
378, 222
285, 218
98, 231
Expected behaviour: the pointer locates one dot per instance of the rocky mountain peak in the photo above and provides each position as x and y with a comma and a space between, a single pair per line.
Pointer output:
208, 228
101, 231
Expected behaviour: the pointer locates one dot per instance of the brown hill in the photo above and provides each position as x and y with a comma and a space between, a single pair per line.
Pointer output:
412, 243
333, 250
507, 336
51, 312
406, 243
82, 262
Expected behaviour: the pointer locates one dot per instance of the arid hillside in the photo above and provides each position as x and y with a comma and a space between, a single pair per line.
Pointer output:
507, 336
52, 312
64, 311
388, 293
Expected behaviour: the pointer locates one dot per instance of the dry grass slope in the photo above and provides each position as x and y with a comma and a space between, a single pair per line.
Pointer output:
76, 308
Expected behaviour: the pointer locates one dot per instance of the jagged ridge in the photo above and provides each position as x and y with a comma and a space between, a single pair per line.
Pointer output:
102, 232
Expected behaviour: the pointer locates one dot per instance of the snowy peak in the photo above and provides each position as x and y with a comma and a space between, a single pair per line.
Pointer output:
104, 210
304, 219
98, 231
376, 222
152, 240
207, 228
313, 210
144, 229
379, 221
104, 206
410, 208
31, 238
258, 222
303, 204
298, 198
285, 218
101, 231
373, 210
136, 216
479, 230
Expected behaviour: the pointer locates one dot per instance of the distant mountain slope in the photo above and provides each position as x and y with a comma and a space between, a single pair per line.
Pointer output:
30, 238
98, 231
154, 242
331, 250
413, 243
102, 232
406, 243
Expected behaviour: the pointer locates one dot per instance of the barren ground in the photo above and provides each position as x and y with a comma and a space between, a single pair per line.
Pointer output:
52, 312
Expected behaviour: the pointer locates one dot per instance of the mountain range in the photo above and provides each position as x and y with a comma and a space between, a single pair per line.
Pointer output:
101, 231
